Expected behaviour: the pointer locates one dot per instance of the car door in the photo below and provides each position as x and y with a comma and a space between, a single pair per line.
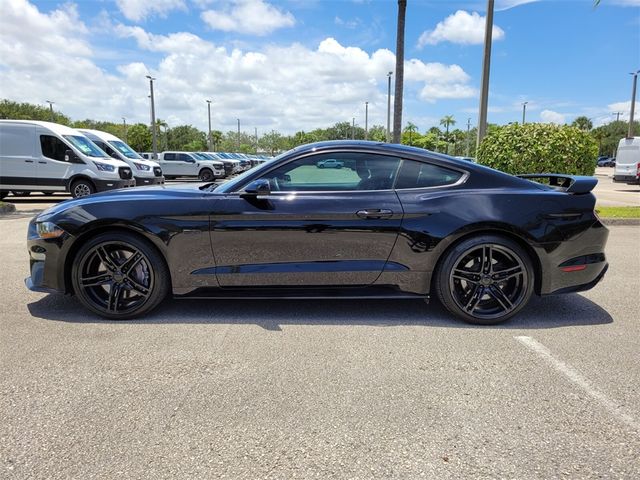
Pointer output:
18, 166
53, 168
317, 227
187, 165
167, 162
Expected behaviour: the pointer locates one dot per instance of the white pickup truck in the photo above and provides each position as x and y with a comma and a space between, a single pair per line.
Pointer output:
189, 164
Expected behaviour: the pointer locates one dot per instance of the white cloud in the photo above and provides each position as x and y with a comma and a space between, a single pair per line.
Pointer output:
253, 17
624, 107
284, 87
549, 116
461, 27
137, 10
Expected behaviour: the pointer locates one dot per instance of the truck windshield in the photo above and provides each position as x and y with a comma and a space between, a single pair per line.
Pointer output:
86, 146
124, 149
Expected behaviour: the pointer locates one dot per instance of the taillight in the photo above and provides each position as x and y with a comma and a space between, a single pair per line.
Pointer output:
638, 170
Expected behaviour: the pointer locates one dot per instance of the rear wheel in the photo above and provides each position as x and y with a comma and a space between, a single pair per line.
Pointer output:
20, 193
47, 193
3, 195
82, 188
485, 280
119, 276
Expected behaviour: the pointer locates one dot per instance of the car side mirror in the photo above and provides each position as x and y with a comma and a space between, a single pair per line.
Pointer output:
257, 188
71, 157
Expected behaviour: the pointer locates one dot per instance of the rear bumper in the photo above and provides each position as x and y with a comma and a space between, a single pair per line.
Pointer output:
628, 179
585, 286
145, 181
103, 185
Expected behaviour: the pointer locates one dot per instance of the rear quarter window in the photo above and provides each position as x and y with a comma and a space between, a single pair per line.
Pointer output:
424, 175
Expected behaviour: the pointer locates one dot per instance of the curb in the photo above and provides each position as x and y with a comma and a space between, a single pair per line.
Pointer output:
6, 208
620, 221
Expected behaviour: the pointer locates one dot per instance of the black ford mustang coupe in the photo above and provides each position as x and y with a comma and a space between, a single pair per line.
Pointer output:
393, 222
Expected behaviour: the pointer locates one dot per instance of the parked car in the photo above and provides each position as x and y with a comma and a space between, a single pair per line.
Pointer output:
189, 164
607, 162
405, 223
145, 172
627, 165
47, 157
330, 163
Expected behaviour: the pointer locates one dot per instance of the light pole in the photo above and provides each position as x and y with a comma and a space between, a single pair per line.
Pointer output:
617, 114
486, 67
154, 140
255, 129
209, 143
633, 103
238, 139
389, 75
468, 129
353, 128
366, 120
124, 126
50, 108
524, 111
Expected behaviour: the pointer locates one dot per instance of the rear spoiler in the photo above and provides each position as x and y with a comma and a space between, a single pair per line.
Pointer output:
566, 183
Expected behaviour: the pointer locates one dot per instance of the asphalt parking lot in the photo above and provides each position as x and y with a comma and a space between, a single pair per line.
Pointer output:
612, 194
320, 389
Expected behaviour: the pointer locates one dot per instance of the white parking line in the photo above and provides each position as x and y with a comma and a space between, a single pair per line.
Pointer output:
574, 376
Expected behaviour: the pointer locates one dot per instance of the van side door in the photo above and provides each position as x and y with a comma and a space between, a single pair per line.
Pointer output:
53, 170
18, 167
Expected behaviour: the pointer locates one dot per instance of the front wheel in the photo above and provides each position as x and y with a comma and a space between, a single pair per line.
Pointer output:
82, 188
485, 280
206, 175
119, 276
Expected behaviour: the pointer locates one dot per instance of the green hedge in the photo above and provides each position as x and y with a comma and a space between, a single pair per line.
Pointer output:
539, 148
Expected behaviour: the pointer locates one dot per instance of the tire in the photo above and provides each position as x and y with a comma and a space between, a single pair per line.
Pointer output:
82, 188
321, 165
338, 166
206, 175
47, 193
3, 195
485, 280
169, 177
130, 278
20, 193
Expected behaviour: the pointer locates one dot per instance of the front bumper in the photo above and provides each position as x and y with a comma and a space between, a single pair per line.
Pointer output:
146, 181
628, 179
104, 185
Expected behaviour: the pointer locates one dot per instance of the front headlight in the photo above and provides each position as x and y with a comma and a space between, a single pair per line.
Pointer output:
142, 166
48, 230
104, 167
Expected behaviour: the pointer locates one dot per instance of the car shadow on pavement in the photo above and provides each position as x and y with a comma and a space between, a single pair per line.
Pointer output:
541, 313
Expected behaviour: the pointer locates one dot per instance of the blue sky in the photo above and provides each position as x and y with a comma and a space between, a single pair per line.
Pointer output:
300, 64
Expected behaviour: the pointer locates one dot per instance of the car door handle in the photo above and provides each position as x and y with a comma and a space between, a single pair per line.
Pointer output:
29, 161
374, 213
42, 162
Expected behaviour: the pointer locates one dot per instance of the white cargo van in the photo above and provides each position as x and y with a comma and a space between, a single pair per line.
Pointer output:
189, 164
47, 157
627, 169
145, 172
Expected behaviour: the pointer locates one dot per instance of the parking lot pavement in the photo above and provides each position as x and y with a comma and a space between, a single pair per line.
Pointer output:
320, 389
612, 194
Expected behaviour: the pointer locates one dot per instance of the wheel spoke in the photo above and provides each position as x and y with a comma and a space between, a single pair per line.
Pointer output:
502, 299
471, 277
131, 262
508, 273
114, 297
106, 258
475, 297
95, 280
138, 287
487, 259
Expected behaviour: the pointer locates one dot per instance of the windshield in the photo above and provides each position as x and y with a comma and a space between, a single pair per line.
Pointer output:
125, 149
86, 146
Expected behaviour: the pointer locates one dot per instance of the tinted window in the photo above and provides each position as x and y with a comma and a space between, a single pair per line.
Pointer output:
335, 172
169, 156
183, 157
53, 147
422, 175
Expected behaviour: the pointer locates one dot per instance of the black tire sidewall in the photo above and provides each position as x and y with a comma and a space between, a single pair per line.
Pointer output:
88, 183
157, 264
442, 277
205, 171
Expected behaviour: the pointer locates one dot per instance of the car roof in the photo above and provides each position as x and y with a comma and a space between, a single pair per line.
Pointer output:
106, 136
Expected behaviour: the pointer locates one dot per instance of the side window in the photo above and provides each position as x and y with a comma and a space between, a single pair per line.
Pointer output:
169, 156
335, 172
422, 175
53, 147
183, 157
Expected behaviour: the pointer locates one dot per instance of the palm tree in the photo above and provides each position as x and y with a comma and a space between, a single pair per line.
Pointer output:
583, 123
446, 121
411, 129
397, 104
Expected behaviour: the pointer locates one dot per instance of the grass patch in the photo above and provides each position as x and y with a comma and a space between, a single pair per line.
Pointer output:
618, 212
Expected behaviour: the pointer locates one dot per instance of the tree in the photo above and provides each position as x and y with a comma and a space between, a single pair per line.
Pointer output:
539, 148
583, 123
378, 133
139, 137
186, 137
27, 111
410, 129
446, 121
397, 104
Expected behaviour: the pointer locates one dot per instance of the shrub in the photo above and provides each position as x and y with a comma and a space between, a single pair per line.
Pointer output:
539, 148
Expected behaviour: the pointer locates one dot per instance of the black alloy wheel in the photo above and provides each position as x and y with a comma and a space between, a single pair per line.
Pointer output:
206, 175
21, 193
119, 276
485, 280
